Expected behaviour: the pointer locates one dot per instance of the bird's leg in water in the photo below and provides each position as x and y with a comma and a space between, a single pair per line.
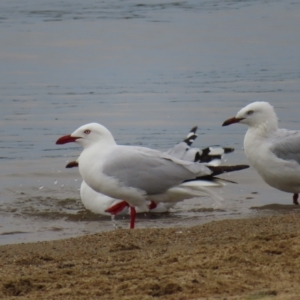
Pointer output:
132, 217
116, 226
295, 199
152, 205
114, 210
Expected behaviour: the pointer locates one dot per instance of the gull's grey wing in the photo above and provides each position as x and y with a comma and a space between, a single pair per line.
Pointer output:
149, 170
180, 150
286, 145
191, 154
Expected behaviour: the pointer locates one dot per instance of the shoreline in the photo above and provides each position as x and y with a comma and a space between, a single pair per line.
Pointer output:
251, 258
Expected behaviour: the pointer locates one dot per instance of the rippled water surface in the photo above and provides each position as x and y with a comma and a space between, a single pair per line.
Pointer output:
149, 71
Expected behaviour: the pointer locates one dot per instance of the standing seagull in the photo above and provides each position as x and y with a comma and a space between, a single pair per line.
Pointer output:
135, 174
273, 152
105, 205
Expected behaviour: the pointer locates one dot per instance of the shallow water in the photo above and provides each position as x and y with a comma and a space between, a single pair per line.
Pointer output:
148, 71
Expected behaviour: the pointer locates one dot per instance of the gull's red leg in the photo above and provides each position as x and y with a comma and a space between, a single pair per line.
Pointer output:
116, 208
132, 217
295, 199
152, 205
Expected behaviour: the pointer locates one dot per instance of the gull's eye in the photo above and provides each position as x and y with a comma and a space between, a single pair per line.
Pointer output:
250, 112
87, 131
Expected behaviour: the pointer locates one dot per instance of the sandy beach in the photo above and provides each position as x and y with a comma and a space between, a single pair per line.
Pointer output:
257, 258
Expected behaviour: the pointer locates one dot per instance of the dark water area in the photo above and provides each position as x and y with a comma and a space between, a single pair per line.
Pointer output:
148, 71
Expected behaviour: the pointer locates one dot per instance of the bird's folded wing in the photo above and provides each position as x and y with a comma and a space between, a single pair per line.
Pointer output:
179, 150
149, 170
286, 145
182, 149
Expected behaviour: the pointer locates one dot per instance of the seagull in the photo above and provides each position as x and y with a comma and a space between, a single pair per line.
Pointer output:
272, 151
137, 174
104, 205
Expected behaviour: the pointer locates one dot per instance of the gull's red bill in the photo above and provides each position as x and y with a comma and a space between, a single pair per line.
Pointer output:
66, 139
232, 121
72, 164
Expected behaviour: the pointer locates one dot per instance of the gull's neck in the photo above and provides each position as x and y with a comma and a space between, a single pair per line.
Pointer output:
256, 140
265, 129
94, 153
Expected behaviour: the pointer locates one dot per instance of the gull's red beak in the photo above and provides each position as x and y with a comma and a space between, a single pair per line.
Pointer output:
232, 120
66, 139
72, 164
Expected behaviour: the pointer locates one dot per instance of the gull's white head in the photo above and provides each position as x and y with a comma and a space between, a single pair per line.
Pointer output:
87, 135
255, 114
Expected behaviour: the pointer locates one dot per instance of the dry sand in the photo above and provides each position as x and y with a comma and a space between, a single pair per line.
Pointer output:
249, 259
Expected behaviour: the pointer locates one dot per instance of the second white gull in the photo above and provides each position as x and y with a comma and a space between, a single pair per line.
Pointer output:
274, 152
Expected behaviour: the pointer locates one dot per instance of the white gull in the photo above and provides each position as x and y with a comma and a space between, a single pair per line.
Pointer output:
136, 174
272, 151
104, 205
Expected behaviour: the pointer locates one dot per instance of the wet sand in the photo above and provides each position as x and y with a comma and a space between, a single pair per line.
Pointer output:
257, 258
